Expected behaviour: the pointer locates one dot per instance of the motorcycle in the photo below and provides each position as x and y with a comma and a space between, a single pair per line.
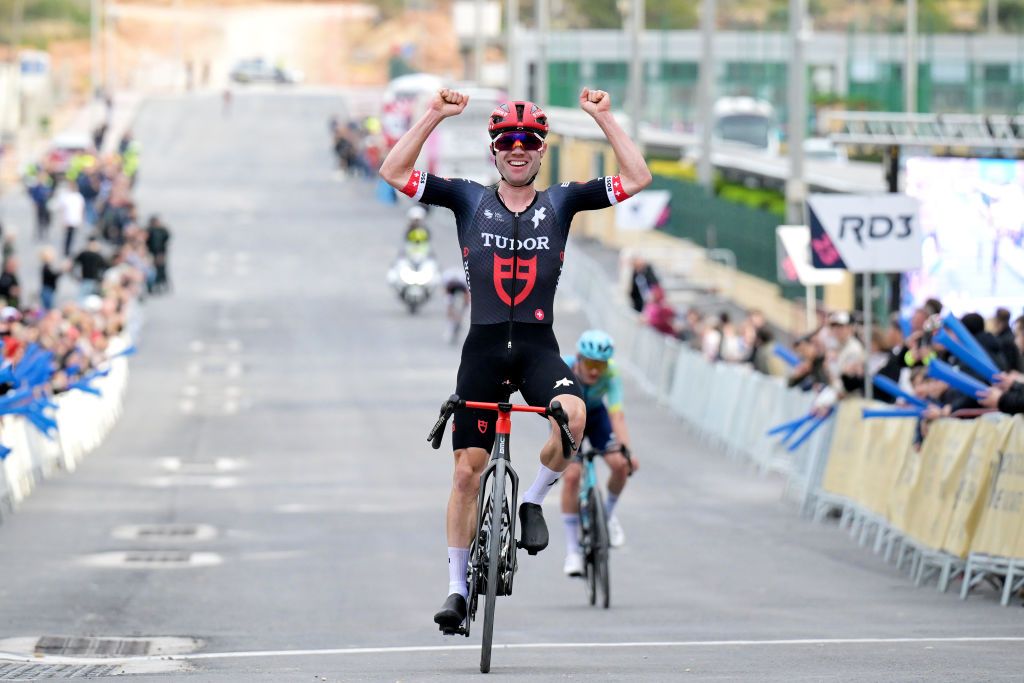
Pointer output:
414, 278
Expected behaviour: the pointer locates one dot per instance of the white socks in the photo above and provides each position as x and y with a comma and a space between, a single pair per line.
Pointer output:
541, 485
609, 504
571, 521
458, 561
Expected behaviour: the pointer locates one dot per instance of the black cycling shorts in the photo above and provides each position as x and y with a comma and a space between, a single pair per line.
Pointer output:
533, 365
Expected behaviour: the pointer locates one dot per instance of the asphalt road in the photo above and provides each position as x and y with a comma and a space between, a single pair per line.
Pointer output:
281, 400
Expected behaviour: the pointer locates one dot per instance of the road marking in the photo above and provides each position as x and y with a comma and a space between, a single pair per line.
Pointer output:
196, 346
187, 406
234, 370
232, 392
190, 390
256, 654
231, 407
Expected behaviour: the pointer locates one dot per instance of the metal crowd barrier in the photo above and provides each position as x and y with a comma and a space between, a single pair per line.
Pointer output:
83, 422
728, 405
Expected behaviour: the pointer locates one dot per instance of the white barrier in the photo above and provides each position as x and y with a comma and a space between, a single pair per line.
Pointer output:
83, 421
729, 405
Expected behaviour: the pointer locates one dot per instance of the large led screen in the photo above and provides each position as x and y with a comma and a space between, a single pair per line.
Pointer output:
972, 215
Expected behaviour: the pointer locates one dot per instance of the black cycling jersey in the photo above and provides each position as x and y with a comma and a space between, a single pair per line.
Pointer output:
513, 260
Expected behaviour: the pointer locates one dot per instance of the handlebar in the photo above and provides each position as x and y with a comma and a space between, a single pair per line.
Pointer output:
621, 448
554, 411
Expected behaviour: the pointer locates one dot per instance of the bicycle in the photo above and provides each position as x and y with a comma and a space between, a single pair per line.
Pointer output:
594, 544
492, 552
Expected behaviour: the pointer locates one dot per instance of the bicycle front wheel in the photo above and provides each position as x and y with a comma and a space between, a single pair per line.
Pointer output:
601, 545
493, 562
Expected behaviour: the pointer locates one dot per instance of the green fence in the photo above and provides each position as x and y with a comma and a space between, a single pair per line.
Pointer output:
713, 222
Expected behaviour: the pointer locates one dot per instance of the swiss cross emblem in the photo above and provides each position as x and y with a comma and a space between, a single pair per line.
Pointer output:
538, 314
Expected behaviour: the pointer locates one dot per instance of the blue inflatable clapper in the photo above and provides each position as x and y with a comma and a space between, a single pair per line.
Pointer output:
4, 452
818, 421
953, 324
963, 383
786, 354
894, 389
982, 365
789, 427
869, 413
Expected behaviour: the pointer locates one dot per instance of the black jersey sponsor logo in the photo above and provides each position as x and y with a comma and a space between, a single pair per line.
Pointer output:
564, 382
539, 214
526, 271
481, 426
529, 244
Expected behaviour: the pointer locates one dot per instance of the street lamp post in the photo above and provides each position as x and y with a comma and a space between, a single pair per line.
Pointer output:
796, 187
637, 21
910, 65
541, 70
706, 92
511, 53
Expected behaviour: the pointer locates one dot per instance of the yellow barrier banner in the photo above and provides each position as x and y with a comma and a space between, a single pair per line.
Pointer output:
888, 440
975, 482
944, 452
842, 472
898, 509
1004, 510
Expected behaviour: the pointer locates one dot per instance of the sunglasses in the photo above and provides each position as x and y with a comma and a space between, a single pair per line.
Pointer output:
506, 142
590, 364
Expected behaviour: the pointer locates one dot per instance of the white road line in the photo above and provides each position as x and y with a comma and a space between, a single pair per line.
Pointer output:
255, 654
190, 390
196, 346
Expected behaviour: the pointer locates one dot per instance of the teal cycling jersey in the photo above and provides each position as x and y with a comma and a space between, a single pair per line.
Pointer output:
607, 390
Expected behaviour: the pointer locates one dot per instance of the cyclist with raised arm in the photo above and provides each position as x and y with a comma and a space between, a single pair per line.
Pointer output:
605, 430
513, 239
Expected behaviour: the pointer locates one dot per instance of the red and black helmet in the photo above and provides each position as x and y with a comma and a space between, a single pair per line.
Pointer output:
517, 115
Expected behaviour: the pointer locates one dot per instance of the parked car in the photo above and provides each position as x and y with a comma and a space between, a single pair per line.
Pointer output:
259, 70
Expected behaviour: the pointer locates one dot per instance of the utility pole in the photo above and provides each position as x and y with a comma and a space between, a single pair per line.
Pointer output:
478, 40
706, 92
94, 47
541, 71
637, 23
511, 53
910, 63
796, 187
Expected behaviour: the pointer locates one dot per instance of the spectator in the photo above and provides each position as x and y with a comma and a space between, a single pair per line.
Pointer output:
761, 351
658, 313
810, 374
10, 288
642, 281
72, 211
733, 349
89, 268
158, 237
850, 353
975, 324
1004, 335
51, 273
40, 190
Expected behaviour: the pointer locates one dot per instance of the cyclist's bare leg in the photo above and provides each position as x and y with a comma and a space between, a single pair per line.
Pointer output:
571, 488
461, 519
619, 471
552, 463
551, 454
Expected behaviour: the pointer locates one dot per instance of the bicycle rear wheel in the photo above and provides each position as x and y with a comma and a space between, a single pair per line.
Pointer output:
601, 545
493, 562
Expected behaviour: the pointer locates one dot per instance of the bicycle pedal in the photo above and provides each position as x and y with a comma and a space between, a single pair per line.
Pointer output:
459, 631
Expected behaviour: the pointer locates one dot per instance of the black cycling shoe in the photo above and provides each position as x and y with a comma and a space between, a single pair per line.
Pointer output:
535, 530
452, 614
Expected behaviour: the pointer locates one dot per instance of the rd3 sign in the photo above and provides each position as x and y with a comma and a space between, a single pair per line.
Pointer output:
865, 233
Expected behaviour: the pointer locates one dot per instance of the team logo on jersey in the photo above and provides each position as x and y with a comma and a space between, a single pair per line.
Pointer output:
539, 314
488, 214
539, 214
564, 382
527, 272
481, 426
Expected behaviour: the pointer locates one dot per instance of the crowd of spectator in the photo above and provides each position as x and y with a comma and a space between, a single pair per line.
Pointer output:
114, 261
832, 360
